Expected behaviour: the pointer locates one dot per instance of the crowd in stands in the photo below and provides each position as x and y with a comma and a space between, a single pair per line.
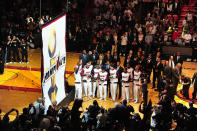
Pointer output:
121, 116
108, 18
118, 26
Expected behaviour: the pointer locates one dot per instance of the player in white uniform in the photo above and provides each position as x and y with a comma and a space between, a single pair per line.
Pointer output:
86, 77
137, 83
130, 71
78, 82
113, 75
125, 84
103, 77
95, 81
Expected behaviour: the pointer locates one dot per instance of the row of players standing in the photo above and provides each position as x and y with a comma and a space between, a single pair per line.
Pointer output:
96, 81
131, 63
13, 45
146, 65
9, 51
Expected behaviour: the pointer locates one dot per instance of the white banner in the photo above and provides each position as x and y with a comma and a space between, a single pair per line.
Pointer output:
54, 61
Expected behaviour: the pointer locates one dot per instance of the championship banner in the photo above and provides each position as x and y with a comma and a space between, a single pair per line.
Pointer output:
54, 61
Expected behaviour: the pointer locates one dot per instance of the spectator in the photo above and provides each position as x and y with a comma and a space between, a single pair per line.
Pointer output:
101, 120
39, 106
93, 111
84, 58
187, 38
75, 115
184, 22
124, 41
179, 41
148, 41
175, 36
189, 16
114, 43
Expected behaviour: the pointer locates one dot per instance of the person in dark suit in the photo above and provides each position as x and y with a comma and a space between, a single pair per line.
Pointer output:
194, 81
95, 57
186, 81
142, 62
84, 58
154, 60
119, 70
155, 57
148, 67
179, 59
131, 54
175, 77
135, 62
115, 58
167, 71
107, 66
108, 57
176, 74
89, 56
158, 67
127, 61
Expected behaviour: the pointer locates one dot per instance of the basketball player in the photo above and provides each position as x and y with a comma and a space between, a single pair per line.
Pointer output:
125, 84
137, 83
113, 75
9, 49
15, 45
130, 71
86, 77
24, 52
103, 77
95, 81
78, 82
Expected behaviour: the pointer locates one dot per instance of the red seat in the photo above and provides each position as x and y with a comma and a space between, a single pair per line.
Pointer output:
169, 17
175, 18
165, 1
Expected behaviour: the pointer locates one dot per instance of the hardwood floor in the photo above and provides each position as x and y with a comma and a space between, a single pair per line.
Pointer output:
29, 77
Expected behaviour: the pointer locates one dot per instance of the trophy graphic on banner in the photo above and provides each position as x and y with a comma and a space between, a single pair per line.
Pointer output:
51, 49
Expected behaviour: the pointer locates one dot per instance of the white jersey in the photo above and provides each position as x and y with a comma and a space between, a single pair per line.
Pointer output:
137, 77
125, 77
130, 71
91, 67
86, 73
113, 75
96, 72
78, 73
103, 76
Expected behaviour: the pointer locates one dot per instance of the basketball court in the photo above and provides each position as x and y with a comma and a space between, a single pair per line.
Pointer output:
21, 83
